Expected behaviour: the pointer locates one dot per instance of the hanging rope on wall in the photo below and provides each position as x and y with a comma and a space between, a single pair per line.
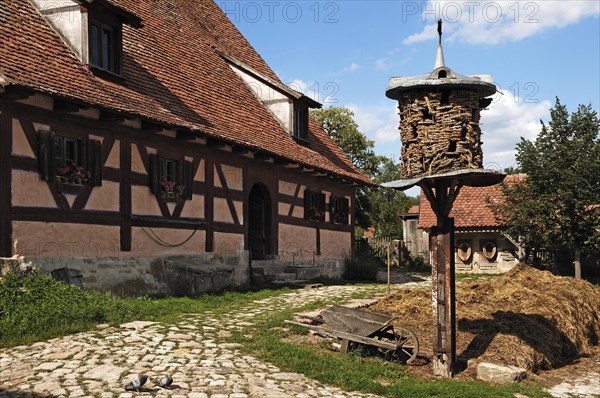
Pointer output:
161, 242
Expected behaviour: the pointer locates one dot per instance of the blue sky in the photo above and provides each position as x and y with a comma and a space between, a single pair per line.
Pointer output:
343, 53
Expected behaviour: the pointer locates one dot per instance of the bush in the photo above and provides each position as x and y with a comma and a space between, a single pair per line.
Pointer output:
362, 268
417, 264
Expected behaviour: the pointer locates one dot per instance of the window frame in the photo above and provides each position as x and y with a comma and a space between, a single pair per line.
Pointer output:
60, 142
339, 210
171, 188
55, 168
314, 206
96, 45
300, 122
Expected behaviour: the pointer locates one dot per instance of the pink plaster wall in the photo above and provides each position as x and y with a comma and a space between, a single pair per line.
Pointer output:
223, 214
114, 156
194, 208
44, 240
143, 202
105, 197
20, 144
29, 190
227, 243
137, 165
296, 242
48, 240
335, 244
283, 209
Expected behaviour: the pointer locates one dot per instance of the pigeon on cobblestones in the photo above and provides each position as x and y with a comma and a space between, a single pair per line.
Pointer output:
136, 383
164, 381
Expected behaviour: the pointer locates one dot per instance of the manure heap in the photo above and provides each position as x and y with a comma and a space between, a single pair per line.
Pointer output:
526, 317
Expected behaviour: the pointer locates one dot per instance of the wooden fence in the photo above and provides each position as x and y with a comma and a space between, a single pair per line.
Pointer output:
378, 247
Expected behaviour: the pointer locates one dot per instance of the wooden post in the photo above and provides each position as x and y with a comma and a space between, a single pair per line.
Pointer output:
125, 194
6, 243
388, 265
443, 276
443, 295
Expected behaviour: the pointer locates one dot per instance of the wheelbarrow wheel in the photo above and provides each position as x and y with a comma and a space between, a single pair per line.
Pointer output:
409, 349
407, 342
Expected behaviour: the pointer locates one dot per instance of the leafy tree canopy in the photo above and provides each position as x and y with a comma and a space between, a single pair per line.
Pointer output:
388, 204
557, 206
339, 123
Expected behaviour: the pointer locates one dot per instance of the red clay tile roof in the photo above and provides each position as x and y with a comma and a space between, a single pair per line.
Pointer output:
173, 75
470, 209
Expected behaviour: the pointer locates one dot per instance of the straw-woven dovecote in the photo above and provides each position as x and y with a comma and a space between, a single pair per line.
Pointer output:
439, 119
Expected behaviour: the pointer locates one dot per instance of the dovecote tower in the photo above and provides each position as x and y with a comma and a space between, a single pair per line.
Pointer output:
439, 118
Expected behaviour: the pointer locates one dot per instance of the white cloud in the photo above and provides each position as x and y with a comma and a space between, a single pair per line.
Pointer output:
504, 123
368, 120
381, 64
494, 22
389, 132
380, 124
429, 33
307, 88
299, 85
353, 67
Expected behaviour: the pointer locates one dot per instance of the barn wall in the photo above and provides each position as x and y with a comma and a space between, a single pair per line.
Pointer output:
121, 222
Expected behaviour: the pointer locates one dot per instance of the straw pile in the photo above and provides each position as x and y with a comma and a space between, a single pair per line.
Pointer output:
527, 318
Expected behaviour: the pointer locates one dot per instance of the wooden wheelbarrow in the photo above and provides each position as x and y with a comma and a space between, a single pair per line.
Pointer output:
352, 325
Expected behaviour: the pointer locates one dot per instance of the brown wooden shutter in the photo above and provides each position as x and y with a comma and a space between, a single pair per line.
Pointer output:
94, 162
188, 179
345, 210
46, 159
332, 208
154, 174
322, 206
307, 197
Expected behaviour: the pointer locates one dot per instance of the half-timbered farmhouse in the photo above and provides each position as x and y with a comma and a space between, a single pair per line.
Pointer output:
148, 146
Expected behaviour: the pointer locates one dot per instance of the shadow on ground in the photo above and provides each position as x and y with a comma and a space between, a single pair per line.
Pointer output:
534, 330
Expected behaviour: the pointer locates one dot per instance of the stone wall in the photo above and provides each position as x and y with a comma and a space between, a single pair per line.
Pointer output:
440, 132
168, 275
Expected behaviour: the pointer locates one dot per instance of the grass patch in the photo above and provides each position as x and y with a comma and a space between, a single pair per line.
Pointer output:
37, 308
356, 373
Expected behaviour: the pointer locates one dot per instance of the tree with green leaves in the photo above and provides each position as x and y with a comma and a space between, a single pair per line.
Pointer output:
388, 204
339, 124
557, 205
379, 207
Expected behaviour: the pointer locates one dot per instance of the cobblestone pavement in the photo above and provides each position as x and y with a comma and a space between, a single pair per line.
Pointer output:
100, 363
580, 384
193, 351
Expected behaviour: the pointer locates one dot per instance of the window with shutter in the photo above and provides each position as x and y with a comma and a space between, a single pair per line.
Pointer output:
105, 45
171, 179
314, 206
300, 130
339, 209
69, 161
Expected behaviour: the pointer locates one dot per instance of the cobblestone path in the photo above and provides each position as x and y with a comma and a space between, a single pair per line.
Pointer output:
100, 363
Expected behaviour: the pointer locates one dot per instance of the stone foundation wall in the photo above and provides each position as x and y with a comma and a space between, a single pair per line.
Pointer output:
440, 132
168, 275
